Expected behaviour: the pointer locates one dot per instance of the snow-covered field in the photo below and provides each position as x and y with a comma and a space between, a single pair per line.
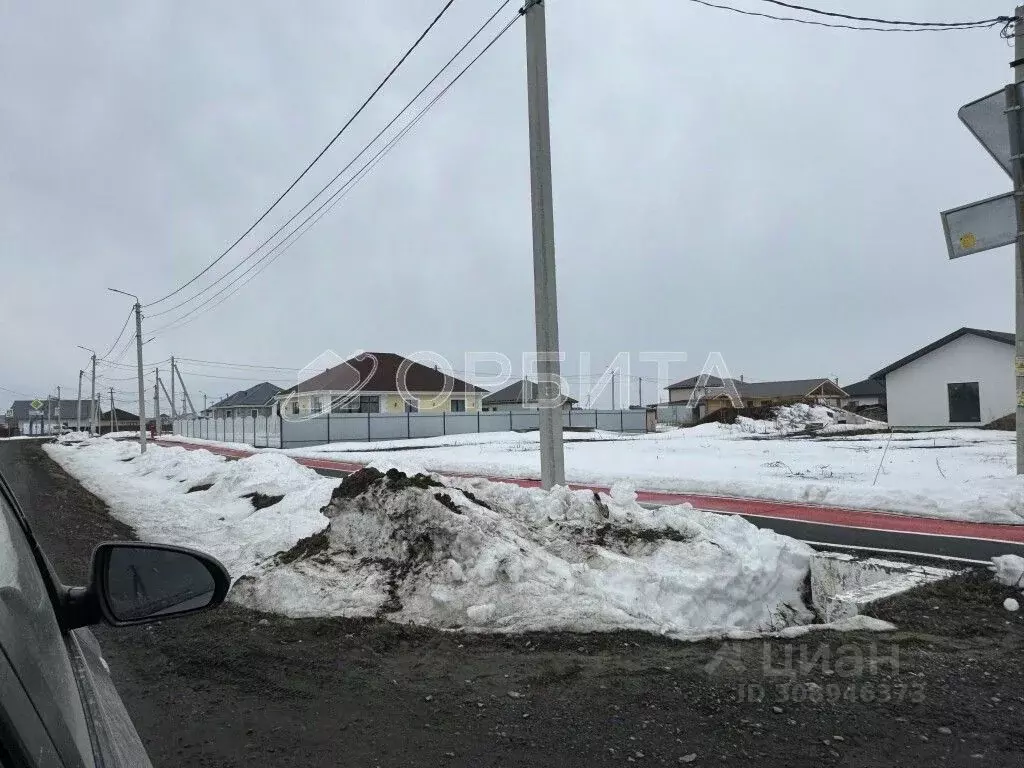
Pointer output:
961, 474
469, 554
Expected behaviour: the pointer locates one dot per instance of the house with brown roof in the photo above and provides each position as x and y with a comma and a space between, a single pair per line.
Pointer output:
709, 397
380, 382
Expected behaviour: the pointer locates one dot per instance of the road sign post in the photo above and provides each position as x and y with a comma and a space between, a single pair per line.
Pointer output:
1015, 125
996, 121
980, 226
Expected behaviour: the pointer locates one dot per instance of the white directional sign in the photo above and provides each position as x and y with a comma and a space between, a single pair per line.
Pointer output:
986, 119
980, 226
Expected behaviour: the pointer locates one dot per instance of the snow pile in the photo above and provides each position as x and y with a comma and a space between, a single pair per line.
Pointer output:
73, 437
1009, 570
163, 494
788, 419
478, 555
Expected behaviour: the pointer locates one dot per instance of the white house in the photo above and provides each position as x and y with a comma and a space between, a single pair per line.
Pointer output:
963, 379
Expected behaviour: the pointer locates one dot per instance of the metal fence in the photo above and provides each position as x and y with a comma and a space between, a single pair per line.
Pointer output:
275, 432
260, 432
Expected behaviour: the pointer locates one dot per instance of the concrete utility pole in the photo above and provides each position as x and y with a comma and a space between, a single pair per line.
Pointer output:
138, 354
78, 415
1015, 124
171, 396
156, 404
58, 410
185, 396
113, 413
545, 293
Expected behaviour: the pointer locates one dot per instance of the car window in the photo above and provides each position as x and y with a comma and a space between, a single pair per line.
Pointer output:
33, 643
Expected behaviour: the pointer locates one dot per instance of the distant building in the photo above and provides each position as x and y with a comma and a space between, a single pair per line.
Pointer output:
523, 395
755, 393
370, 383
963, 379
869, 393
255, 401
51, 416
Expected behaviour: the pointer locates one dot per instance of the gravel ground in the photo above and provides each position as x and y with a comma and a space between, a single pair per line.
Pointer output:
234, 688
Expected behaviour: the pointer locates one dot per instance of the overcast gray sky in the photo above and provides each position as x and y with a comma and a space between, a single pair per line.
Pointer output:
766, 190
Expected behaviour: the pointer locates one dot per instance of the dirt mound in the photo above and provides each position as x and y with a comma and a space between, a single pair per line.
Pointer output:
729, 415
1006, 423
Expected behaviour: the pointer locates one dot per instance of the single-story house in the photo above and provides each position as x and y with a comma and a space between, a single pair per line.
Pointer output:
869, 393
963, 379
256, 401
519, 396
756, 393
51, 415
370, 383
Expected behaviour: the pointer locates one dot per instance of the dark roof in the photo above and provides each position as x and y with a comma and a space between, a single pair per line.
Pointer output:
522, 391
378, 372
1001, 336
261, 394
121, 415
690, 383
789, 388
866, 388
68, 408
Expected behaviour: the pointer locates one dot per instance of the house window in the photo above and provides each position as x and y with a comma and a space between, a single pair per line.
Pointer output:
458, 406
411, 407
227, 413
361, 404
315, 406
254, 413
295, 407
964, 402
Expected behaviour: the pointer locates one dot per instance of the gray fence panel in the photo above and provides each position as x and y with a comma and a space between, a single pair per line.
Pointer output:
525, 420
634, 421
497, 421
390, 427
610, 421
426, 425
461, 423
298, 434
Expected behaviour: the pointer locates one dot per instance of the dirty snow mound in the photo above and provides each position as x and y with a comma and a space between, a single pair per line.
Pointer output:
479, 555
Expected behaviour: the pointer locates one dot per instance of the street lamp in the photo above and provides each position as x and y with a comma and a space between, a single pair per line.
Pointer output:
93, 424
138, 353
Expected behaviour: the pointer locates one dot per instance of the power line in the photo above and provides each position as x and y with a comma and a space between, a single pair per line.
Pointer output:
119, 335
835, 15
813, 23
331, 201
236, 365
15, 392
338, 175
316, 159
223, 378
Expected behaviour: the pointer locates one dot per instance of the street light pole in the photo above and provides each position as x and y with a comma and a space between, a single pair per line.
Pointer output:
138, 353
78, 414
93, 419
545, 294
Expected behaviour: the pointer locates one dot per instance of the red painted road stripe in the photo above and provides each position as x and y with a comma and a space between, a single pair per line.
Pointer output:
847, 518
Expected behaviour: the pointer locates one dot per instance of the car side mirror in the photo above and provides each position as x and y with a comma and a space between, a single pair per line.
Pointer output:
135, 583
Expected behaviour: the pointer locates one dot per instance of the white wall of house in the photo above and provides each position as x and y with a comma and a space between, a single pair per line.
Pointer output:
917, 394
